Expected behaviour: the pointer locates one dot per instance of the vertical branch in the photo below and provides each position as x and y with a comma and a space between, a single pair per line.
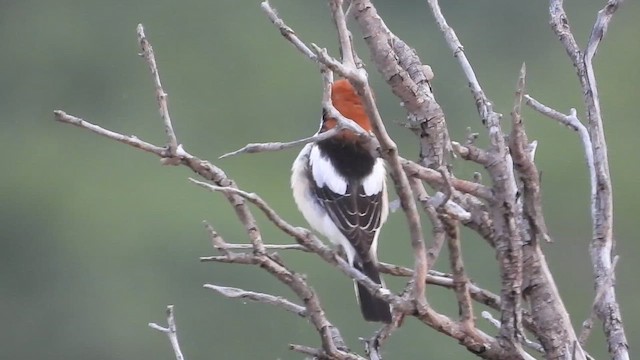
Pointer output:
504, 209
602, 241
171, 331
161, 95
460, 280
388, 148
344, 36
483, 105
437, 228
523, 161
408, 78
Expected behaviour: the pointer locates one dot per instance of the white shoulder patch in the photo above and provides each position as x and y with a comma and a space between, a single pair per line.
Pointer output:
374, 183
324, 174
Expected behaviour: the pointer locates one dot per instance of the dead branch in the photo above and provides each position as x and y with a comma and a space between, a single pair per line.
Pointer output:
171, 331
602, 241
507, 213
161, 95
236, 293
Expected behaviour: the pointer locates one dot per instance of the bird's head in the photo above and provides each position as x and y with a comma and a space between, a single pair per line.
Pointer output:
347, 101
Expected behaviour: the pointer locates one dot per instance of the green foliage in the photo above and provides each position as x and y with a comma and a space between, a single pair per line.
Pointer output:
97, 238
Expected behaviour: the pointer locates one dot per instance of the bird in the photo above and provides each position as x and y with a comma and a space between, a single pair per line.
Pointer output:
340, 188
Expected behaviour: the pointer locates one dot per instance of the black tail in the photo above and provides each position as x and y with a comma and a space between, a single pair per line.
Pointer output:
373, 308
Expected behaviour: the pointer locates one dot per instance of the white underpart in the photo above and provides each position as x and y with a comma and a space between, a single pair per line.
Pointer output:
323, 174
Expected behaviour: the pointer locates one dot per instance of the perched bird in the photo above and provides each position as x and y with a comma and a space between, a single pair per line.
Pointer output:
340, 188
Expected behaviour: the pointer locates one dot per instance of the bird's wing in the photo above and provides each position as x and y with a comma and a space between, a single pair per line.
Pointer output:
356, 214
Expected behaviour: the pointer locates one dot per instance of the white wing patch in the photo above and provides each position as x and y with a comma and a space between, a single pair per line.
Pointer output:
324, 174
374, 183
309, 206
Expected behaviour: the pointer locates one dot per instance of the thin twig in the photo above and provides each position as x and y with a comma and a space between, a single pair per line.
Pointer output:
460, 280
485, 109
346, 46
161, 95
286, 31
278, 301
171, 332
437, 229
268, 247
572, 122
217, 241
130, 140
529, 175
314, 352
433, 177
342, 123
277, 146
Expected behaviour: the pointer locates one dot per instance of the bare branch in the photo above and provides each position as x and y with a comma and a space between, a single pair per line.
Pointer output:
277, 146
316, 353
171, 332
201, 167
472, 153
268, 247
344, 36
499, 165
217, 241
268, 299
437, 229
408, 78
287, 32
485, 108
587, 325
434, 178
523, 161
130, 140
498, 213
560, 25
331, 340
161, 95
232, 258
460, 280
342, 123
601, 246
572, 122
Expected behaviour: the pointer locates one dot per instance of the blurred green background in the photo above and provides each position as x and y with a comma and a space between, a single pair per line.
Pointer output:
97, 237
